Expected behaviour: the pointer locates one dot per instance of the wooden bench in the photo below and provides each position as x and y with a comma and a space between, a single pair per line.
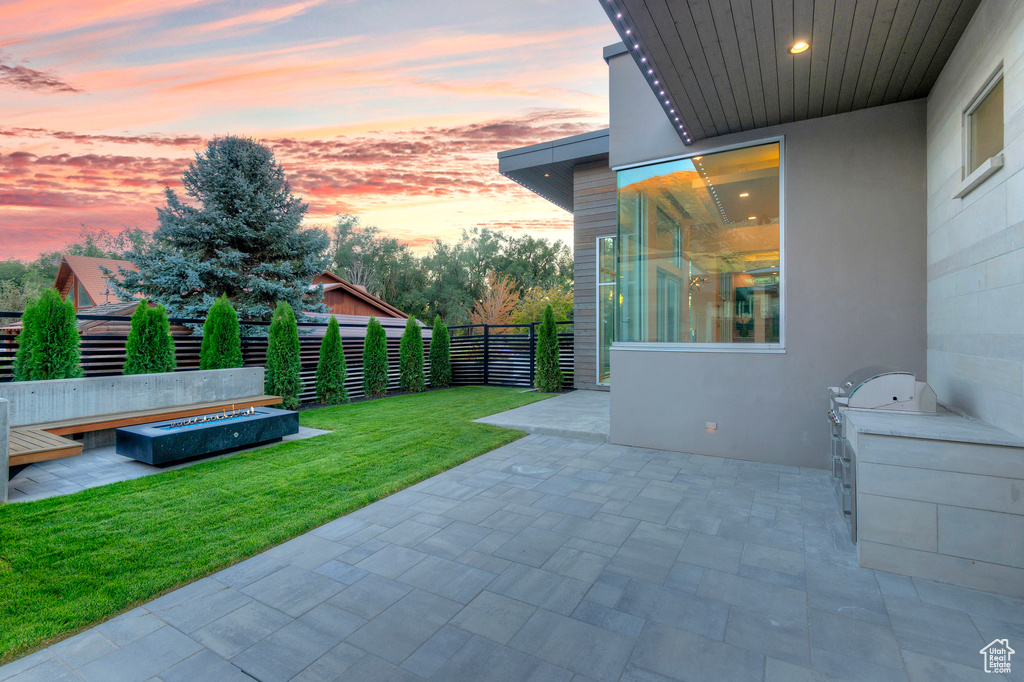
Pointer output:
45, 441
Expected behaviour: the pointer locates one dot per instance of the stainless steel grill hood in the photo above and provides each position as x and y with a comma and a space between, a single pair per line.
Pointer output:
885, 388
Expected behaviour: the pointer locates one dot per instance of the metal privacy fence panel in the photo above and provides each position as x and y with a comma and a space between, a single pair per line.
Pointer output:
505, 355
492, 355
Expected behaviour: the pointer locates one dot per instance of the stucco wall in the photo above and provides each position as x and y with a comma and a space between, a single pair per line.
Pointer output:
976, 244
854, 285
594, 215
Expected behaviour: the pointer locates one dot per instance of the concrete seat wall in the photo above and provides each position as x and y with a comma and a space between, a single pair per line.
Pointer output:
33, 402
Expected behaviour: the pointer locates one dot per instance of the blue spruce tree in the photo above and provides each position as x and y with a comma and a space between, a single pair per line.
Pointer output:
239, 235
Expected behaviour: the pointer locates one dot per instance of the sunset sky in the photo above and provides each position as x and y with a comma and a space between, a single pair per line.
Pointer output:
390, 109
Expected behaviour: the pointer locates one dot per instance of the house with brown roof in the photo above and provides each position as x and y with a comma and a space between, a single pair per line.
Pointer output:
82, 278
344, 298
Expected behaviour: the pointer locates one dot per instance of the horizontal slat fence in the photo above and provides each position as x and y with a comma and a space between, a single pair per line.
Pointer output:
494, 355
504, 355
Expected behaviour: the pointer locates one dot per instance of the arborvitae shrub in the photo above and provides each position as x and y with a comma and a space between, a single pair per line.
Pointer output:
549, 375
283, 361
27, 339
440, 359
222, 343
150, 348
412, 378
375, 360
330, 369
48, 344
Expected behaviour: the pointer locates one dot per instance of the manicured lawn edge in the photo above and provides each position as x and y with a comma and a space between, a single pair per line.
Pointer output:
71, 562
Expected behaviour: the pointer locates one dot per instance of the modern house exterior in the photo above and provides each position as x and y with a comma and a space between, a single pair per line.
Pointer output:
790, 191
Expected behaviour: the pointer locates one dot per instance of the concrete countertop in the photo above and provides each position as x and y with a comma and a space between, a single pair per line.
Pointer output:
943, 426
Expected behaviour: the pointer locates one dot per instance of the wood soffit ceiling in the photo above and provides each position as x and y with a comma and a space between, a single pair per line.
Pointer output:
725, 65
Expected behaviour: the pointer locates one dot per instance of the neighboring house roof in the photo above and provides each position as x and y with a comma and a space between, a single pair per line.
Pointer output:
722, 69
394, 327
113, 308
332, 282
547, 168
90, 275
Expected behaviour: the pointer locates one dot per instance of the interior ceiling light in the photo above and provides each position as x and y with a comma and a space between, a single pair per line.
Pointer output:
751, 217
744, 194
799, 47
547, 175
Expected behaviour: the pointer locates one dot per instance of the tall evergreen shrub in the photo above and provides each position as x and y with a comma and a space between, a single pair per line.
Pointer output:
48, 344
440, 356
150, 348
375, 360
27, 339
548, 376
222, 343
283, 361
330, 369
411, 375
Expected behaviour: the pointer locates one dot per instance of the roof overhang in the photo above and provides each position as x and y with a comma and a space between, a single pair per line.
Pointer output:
721, 67
546, 169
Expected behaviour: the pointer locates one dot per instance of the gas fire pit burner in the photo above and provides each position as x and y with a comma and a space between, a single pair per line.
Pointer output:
177, 439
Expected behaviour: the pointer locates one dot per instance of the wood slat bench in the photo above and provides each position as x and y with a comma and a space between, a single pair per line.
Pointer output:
45, 441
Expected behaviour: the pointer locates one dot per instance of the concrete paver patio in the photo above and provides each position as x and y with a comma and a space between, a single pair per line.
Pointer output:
577, 414
558, 559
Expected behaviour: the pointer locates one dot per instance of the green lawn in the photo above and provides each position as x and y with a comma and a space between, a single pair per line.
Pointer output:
72, 561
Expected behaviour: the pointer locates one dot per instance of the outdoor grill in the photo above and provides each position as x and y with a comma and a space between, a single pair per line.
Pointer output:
870, 388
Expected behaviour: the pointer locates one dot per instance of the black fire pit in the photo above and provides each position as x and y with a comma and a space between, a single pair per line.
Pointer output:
170, 441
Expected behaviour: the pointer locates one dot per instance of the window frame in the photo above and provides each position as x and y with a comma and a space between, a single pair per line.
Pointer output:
721, 347
597, 304
968, 148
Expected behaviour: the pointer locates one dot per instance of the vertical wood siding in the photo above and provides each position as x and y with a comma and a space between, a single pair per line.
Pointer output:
594, 215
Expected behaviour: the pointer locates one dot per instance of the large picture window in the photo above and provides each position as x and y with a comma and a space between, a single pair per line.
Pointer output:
700, 249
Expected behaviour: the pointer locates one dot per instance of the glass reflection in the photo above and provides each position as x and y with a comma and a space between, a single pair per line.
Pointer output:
699, 256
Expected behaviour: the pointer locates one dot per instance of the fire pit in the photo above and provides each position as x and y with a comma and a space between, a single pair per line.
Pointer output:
170, 441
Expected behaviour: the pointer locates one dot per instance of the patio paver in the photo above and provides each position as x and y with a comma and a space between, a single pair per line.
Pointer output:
585, 415
558, 559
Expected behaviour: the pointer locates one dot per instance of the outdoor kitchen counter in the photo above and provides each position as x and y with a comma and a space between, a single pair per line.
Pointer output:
940, 497
944, 425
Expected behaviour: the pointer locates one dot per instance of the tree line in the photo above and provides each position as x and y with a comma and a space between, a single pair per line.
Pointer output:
238, 232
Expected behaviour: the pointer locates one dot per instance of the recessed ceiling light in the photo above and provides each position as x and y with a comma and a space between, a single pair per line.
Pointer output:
744, 194
799, 47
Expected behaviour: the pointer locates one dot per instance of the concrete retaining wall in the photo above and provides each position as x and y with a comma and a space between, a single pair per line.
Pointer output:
32, 402
4, 450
